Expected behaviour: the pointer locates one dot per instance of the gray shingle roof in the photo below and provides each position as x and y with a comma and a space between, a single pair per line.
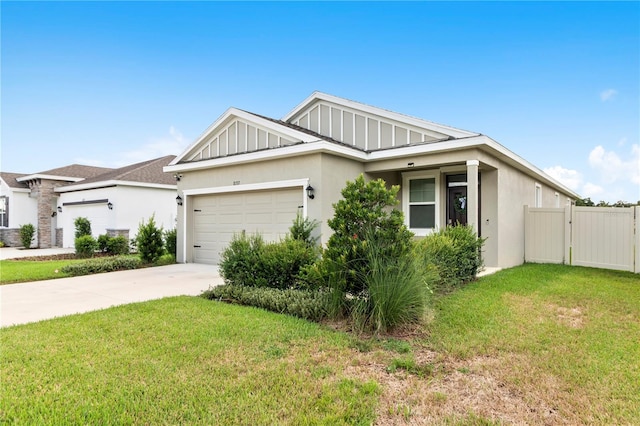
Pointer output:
77, 171
10, 179
145, 172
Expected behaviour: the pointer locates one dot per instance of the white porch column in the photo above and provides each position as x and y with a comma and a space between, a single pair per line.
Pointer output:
472, 193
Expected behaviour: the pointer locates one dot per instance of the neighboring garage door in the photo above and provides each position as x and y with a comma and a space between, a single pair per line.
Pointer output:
216, 218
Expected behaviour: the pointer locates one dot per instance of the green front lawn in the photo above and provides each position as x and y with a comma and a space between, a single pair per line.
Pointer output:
537, 344
16, 271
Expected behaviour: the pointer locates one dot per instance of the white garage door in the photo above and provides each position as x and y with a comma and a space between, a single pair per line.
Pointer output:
216, 218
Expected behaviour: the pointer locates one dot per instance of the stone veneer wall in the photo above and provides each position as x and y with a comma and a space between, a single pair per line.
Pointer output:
10, 237
46, 196
59, 239
118, 233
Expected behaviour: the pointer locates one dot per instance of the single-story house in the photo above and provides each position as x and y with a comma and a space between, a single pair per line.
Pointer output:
115, 201
252, 173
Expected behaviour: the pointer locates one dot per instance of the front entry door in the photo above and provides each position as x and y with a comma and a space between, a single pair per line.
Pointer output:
456, 204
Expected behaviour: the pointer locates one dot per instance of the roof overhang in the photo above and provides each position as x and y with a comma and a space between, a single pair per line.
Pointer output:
48, 177
112, 183
481, 142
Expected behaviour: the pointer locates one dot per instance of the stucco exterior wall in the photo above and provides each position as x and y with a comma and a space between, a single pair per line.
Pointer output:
515, 190
327, 174
131, 206
134, 205
22, 210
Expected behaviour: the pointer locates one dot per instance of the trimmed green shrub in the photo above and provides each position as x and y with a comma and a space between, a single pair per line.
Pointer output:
453, 253
305, 304
365, 208
118, 245
249, 261
165, 259
83, 226
103, 242
86, 246
102, 264
238, 261
149, 241
27, 232
170, 241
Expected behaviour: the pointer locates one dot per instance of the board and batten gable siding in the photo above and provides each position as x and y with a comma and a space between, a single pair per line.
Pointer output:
239, 136
361, 129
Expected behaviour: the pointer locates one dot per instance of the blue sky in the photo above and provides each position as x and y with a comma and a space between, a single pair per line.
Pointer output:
113, 83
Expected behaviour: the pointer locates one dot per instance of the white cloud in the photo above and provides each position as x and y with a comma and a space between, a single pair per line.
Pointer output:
612, 168
590, 190
607, 95
171, 144
568, 177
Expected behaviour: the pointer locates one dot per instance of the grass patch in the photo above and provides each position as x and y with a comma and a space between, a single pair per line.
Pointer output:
180, 361
566, 338
537, 344
16, 271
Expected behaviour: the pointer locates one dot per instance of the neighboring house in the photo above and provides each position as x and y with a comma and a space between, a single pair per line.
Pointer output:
252, 173
116, 201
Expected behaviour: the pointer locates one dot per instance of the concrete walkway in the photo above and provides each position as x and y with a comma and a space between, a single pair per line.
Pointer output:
17, 253
40, 300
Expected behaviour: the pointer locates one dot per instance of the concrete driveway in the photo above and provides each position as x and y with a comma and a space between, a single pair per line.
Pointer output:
40, 300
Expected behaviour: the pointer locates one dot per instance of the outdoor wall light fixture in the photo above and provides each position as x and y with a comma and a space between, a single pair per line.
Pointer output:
177, 176
309, 190
59, 209
110, 205
179, 200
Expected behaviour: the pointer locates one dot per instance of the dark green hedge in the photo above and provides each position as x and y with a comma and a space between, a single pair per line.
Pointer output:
102, 264
306, 304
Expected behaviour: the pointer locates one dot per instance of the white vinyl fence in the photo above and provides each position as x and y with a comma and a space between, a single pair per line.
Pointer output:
601, 237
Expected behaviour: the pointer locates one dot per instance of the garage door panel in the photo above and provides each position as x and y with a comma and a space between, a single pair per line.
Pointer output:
217, 218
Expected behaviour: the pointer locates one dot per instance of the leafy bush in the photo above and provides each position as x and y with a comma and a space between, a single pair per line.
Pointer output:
303, 230
149, 241
165, 259
305, 304
27, 231
113, 245
249, 261
102, 264
86, 246
103, 241
83, 226
453, 253
238, 261
118, 245
170, 241
365, 208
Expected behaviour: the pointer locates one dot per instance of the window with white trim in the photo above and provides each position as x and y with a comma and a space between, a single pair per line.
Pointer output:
4, 212
538, 195
420, 202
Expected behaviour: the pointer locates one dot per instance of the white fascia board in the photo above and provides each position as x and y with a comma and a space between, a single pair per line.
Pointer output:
414, 121
259, 121
292, 183
110, 183
270, 154
482, 142
50, 177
